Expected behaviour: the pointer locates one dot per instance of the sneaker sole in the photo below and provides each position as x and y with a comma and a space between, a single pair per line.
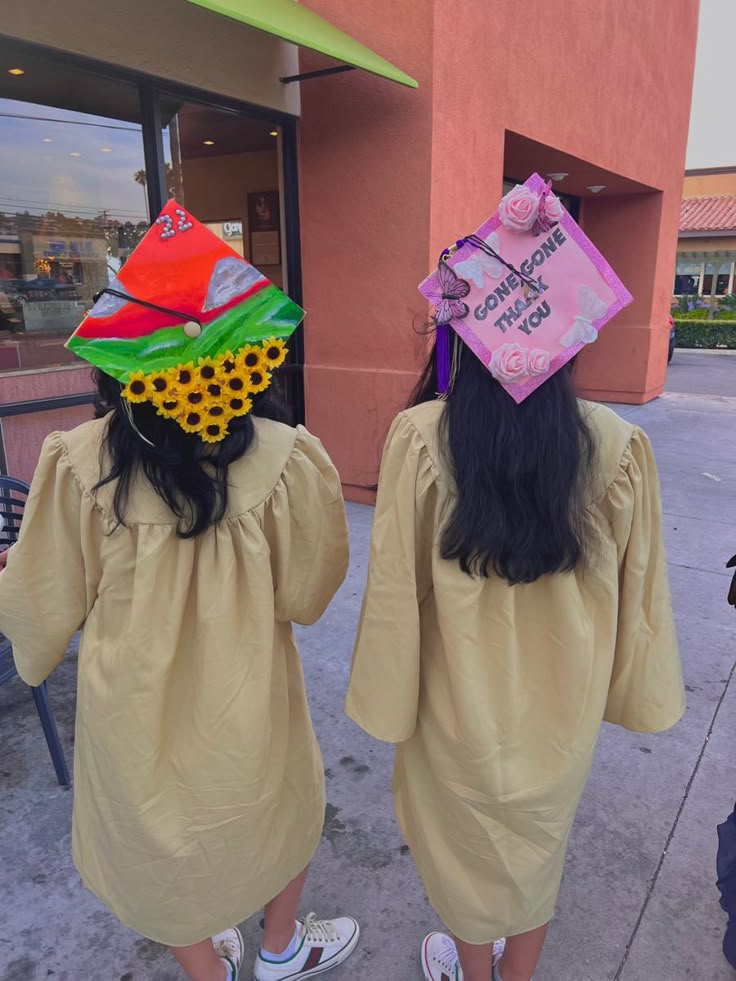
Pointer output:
425, 966
334, 961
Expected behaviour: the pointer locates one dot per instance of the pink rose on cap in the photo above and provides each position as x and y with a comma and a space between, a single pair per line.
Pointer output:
509, 364
538, 362
518, 209
553, 208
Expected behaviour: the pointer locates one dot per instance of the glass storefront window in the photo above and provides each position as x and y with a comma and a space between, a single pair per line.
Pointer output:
73, 205
687, 278
722, 272
225, 168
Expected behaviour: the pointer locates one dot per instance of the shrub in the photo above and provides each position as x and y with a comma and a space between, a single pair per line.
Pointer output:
711, 335
699, 313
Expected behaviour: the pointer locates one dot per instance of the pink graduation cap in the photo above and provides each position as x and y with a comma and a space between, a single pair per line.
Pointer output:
526, 292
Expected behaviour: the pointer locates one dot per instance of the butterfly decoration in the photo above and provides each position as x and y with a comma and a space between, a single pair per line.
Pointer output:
479, 263
591, 308
448, 297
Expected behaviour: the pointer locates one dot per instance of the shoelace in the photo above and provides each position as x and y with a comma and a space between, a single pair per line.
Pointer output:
228, 948
447, 956
320, 931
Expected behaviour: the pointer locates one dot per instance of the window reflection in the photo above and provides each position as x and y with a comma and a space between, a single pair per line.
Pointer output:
73, 205
224, 166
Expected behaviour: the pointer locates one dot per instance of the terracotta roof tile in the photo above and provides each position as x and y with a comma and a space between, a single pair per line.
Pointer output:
709, 214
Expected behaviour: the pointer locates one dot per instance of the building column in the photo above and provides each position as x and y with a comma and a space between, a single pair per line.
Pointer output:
383, 190
628, 362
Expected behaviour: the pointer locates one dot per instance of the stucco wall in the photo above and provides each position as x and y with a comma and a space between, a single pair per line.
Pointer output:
390, 176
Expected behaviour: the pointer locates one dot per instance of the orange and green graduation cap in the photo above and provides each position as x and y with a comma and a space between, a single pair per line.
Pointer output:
189, 325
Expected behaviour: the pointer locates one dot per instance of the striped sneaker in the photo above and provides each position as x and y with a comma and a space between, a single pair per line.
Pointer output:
322, 945
440, 961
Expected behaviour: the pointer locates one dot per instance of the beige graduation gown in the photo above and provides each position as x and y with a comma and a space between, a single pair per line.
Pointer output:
495, 694
199, 786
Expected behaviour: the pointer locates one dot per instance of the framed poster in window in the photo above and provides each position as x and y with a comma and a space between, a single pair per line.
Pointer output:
264, 228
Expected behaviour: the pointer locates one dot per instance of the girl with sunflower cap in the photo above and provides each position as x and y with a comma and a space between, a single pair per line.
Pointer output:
183, 531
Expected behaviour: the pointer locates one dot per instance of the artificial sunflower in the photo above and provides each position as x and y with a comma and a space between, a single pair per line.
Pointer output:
192, 420
213, 431
258, 381
214, 389
138, 388
195, 399
274, 352
171, 406
250, 358
161, 385
227, 363
183, 377
237, 405
207, 371
237, 383
216, 412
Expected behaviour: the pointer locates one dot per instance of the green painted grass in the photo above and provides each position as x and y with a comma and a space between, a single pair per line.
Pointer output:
267, 314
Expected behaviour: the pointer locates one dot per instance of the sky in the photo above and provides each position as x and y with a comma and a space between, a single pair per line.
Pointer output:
58, 160
712, 140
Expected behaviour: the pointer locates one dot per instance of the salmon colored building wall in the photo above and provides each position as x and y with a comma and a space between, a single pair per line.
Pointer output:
390, 176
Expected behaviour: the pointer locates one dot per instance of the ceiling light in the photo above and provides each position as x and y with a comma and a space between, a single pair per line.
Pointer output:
208, 142
596, 188
75, 154
274, 132
557, 177
47, 139
16, 71
105, 149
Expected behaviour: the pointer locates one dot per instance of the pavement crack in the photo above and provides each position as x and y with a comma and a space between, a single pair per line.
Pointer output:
653, 882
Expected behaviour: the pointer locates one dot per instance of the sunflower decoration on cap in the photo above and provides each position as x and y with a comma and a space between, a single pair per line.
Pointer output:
189, 326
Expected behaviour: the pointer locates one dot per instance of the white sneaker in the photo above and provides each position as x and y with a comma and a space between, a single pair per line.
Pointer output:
230, 948
323, 944
440, 961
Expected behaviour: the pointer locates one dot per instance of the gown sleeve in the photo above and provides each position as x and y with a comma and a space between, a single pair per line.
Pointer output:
50, 582
306, 529
383, 692
646, 692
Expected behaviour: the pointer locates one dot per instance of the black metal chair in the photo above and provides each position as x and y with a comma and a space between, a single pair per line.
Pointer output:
13, 494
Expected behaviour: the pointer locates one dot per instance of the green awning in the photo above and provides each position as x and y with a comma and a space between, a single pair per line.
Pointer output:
288, 20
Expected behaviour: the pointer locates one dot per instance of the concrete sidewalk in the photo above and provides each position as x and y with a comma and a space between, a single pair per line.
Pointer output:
638, 901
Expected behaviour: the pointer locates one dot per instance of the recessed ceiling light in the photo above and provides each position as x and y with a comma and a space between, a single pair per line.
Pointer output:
558, 177
47, 139
75, 154
274, 132
208, 142
596, 188
16, 71
105, 149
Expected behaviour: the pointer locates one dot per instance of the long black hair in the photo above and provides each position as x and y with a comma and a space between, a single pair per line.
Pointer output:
189, 475
521, 474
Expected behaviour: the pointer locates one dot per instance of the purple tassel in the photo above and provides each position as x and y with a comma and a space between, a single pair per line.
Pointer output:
443, 359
